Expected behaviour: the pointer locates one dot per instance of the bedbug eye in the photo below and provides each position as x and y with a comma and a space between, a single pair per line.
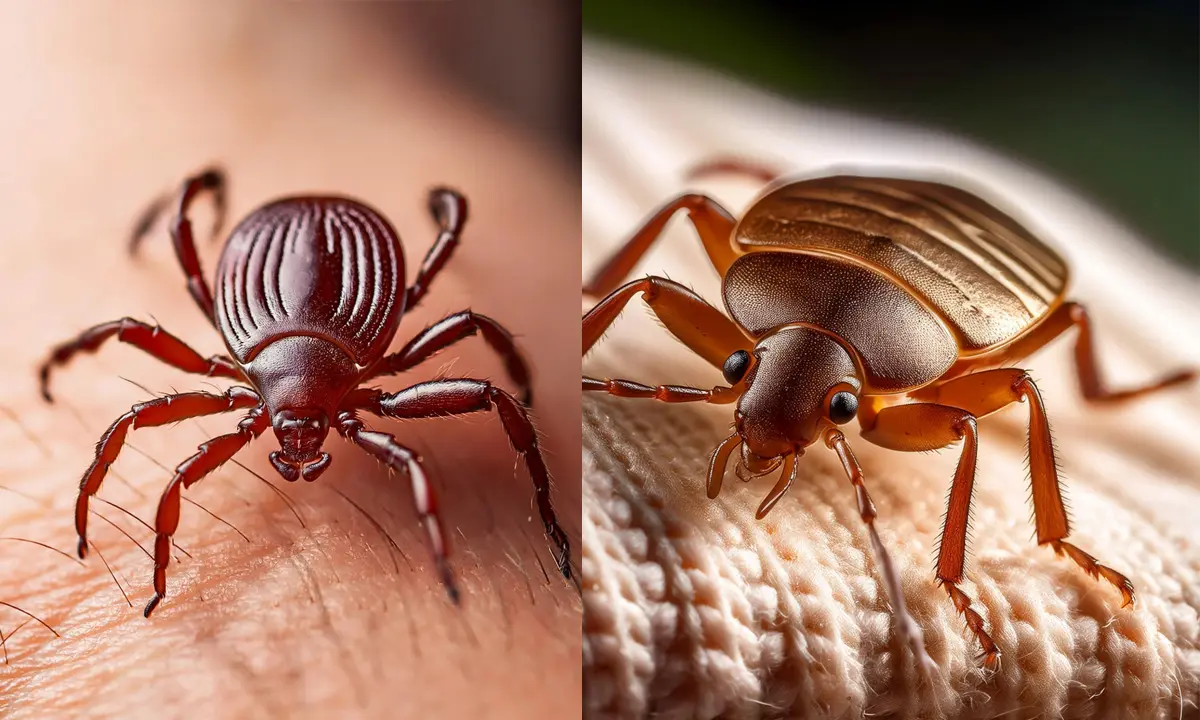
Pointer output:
842, 407
736, 366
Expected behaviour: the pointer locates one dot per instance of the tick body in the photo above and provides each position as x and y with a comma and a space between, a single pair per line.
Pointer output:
903, 303
310, 292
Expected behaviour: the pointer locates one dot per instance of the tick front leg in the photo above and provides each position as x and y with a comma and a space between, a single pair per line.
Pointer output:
211, 179
926, 426
986, 392
449, 210
386, 449
148, 338
452, 329
153, 413
713, 223
908, 628
211, 456
462, 396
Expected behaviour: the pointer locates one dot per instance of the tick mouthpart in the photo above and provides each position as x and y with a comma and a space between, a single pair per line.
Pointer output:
292, 469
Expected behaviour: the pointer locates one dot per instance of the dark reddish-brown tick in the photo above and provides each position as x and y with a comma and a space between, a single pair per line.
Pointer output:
310, 293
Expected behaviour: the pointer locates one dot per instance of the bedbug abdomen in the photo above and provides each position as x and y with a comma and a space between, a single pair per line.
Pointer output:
322, 266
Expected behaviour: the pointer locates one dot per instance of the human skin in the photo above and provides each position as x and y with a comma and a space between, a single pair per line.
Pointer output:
114, 105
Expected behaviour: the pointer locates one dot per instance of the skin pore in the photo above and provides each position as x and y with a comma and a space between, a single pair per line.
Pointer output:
271, 611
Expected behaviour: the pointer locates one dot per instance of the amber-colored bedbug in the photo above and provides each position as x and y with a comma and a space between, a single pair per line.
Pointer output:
902, 302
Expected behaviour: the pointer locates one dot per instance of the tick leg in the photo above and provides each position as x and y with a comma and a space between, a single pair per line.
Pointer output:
462, 396
148, 338
927, 426
387, 450
713, 223
908, 628
723, 165
181, 231
450, 330
985, 392
449, 209
153, 413
211, 456
700, 326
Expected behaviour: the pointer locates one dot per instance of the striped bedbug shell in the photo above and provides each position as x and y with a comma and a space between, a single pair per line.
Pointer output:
913, 274
328, 267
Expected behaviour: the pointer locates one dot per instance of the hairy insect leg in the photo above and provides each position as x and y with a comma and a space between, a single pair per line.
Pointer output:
150, 339
449, 210
700, 326
212, 179
724, 165
153, 413
387, 450
211, 455
908, 628
986, 392
452, 329
463, 396
1087, 366
713, 223
922, 427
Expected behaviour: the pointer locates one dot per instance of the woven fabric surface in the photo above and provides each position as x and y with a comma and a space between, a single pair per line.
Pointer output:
695, 610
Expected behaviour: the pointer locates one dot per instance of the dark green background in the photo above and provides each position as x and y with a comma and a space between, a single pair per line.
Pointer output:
1103, 95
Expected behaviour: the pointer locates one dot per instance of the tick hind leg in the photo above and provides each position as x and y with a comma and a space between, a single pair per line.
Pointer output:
159, 411
211, 179
452, 329
150, 339
700, 326
713, 223
462, 396
385, 448
449, 210
211, 456
986, 392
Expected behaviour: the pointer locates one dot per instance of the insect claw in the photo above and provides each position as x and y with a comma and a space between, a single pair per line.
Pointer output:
448, 580
81, 549
151, 605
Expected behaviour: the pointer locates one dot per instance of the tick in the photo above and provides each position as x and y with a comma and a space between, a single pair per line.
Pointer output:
903, 303
309, 295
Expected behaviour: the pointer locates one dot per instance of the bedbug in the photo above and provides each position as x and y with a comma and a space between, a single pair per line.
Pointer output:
309, 295
903, 303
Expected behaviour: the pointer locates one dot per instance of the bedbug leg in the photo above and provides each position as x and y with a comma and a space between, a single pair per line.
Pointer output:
986, 392
723, 165
905, 625
713, 223
700, 326
211, 455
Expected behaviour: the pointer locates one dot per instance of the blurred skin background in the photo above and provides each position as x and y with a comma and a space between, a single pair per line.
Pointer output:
270, 613
1102, 95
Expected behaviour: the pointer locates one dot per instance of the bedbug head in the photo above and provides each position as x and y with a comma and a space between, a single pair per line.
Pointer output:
798, 382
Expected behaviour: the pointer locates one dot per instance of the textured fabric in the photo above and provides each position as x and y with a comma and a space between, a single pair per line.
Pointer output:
695, 610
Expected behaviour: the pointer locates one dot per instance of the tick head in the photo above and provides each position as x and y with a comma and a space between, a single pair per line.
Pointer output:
799, 381
301, 433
